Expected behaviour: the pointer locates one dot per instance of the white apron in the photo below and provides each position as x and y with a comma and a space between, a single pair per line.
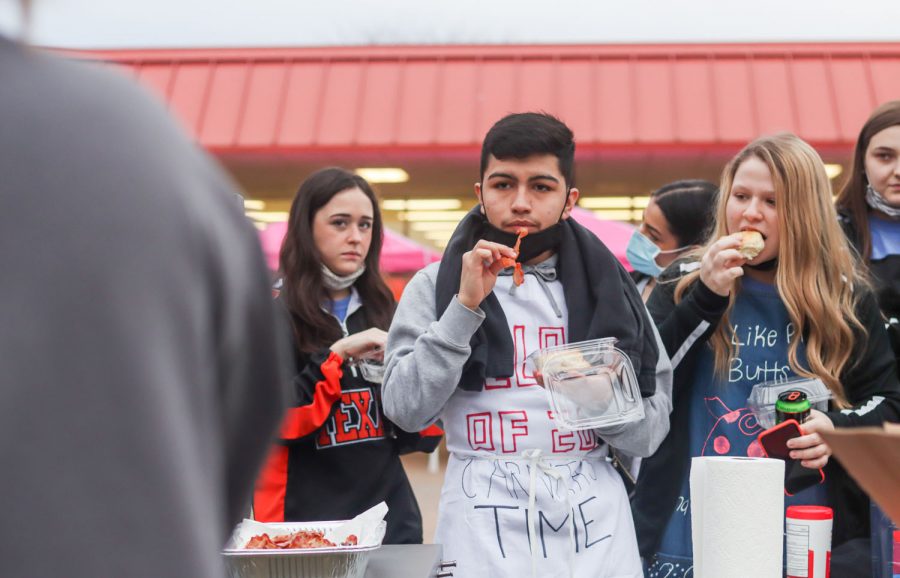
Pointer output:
520, 497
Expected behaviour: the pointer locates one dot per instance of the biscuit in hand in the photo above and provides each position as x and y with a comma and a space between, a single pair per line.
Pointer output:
751, 244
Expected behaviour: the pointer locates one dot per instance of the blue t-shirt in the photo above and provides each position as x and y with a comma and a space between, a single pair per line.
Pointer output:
339, 308
721, 424
885, 238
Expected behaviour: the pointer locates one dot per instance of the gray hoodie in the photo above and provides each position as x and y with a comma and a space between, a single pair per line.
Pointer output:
425, 357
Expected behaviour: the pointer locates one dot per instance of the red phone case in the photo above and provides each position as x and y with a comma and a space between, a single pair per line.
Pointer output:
774, 442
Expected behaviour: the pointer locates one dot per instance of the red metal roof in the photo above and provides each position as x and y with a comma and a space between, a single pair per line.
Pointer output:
446, 97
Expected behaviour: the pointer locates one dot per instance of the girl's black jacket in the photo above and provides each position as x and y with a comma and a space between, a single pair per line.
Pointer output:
337, 454
885, 275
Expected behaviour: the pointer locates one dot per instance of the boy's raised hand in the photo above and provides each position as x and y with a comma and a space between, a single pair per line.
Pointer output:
480, 267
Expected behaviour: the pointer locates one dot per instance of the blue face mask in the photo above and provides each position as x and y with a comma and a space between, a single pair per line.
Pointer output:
642, 252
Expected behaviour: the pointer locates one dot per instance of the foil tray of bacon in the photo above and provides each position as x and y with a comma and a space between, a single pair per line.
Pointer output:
299, 550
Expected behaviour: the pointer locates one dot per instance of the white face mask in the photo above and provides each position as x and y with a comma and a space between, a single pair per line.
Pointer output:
334, 282
876, 201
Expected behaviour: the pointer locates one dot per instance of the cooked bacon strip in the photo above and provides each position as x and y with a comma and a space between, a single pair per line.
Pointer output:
262, 542
522, 233
309, 540
518, 274
506, 262
298, 539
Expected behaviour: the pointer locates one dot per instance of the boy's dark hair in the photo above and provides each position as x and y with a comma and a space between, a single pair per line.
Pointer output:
524, 134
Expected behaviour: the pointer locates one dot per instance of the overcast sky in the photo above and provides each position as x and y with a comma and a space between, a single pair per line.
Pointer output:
239, 23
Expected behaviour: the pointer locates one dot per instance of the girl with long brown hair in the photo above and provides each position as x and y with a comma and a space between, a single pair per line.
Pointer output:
337, 454
800, 307
869, 207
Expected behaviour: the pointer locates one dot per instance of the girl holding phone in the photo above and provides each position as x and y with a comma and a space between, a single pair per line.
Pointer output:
800, 307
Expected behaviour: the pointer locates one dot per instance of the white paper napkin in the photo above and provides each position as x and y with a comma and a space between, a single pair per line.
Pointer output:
368, 527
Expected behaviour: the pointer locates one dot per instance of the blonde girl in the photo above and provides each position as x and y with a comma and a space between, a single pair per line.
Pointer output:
801, 307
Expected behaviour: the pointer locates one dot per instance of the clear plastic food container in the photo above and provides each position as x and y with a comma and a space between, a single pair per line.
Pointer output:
589, 384
370, 365
764, 395
372, 370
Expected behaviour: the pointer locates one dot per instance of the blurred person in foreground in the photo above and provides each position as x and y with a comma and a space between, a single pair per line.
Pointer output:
522, 497
141, 379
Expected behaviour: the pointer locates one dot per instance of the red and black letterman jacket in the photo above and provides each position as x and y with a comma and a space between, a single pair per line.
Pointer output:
337, 454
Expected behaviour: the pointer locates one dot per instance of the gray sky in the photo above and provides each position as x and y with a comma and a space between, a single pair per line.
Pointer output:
239, 23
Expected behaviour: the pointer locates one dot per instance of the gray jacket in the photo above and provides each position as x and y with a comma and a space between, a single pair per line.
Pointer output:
141, 383
425, 357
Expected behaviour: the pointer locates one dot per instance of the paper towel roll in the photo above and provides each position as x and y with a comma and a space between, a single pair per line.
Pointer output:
737, 517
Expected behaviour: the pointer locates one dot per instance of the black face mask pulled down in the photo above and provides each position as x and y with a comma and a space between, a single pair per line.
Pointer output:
599, 295
531, 246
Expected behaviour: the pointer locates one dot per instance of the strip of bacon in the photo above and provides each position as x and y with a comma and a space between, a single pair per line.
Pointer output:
298, 539
522, 233
518, 274
262, 542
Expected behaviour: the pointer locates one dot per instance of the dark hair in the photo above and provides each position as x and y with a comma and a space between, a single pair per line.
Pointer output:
689, 207
852, 198
521, 135
301, 264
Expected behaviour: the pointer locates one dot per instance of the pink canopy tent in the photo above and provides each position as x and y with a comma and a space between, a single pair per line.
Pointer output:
271, 238
614, 234
398, 254
401, 254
